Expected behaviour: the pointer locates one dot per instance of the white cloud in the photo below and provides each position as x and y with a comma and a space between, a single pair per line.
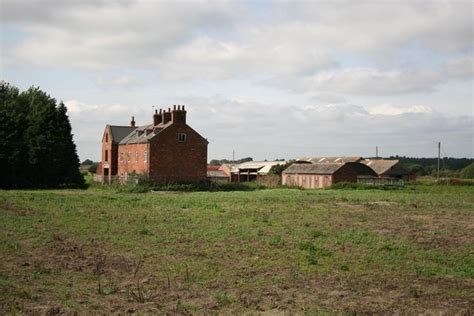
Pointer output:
387, 109
184, 40
119, 81
371, 81
266, 131
94, 111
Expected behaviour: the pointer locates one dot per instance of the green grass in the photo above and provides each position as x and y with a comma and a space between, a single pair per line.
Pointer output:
299, 251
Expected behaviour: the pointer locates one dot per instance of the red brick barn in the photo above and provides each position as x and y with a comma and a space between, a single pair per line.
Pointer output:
167, 151
323, 175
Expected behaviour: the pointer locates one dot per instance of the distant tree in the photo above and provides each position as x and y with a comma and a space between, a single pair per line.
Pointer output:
87, 162
467, 172
218, 162
278, 169
416, 169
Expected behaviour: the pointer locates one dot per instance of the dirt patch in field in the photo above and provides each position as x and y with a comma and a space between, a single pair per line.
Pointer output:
20, 211
430, 231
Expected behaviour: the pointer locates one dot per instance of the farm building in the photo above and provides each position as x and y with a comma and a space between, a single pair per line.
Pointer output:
168, 150
324, 174
389, 168
214, 173
249, 171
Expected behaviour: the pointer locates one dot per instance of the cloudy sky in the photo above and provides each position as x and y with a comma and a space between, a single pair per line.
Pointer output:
268, 79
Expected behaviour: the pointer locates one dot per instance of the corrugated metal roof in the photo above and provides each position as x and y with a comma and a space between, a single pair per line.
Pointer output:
337, 159
315, 168
120, 132
380, 166
263, 167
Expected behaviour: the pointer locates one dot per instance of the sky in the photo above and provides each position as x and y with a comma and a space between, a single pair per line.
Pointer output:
266, 79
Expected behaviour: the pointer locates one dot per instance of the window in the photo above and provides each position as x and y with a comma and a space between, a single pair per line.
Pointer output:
181, 137
121, 156
136, 156
106, 138
106, 155
145, 156
128, 156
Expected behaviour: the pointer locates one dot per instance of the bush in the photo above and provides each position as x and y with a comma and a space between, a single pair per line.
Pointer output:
467, 172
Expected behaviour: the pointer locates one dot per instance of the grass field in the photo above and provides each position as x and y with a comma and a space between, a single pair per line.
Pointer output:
264, 251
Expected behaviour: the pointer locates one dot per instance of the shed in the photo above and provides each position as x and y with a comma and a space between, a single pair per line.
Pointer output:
252, 170
324, 174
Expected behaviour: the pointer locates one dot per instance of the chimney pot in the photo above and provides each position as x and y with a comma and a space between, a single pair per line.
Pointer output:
166, 117
157, 118
132, 122
179, 115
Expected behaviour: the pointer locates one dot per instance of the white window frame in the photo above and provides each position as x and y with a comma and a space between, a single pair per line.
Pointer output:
145, 156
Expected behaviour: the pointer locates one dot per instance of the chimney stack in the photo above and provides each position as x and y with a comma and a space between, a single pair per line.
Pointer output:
166, 116
157, 118
132, 122
179, 115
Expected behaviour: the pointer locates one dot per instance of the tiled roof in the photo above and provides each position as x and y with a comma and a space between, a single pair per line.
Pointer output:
143, 134
120, 132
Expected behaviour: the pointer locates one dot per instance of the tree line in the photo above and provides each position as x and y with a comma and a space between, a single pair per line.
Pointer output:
36, 143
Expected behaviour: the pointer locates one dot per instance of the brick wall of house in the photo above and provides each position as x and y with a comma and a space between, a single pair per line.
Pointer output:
133, 159
172, 160
109, 157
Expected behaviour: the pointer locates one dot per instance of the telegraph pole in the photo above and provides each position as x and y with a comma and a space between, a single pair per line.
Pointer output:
439, 158
233, 156
376, 151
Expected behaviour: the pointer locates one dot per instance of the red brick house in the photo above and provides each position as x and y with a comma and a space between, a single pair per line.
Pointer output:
167, 151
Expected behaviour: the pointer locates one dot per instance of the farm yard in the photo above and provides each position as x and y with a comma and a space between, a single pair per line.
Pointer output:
270, 251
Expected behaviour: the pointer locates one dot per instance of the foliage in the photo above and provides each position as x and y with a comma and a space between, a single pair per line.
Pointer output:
87, 162
144, 186
430, 164
359, 186
278, 169
468, 172
36, 148
218, 162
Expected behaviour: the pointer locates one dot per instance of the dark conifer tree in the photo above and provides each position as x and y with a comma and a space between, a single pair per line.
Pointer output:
36, 145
